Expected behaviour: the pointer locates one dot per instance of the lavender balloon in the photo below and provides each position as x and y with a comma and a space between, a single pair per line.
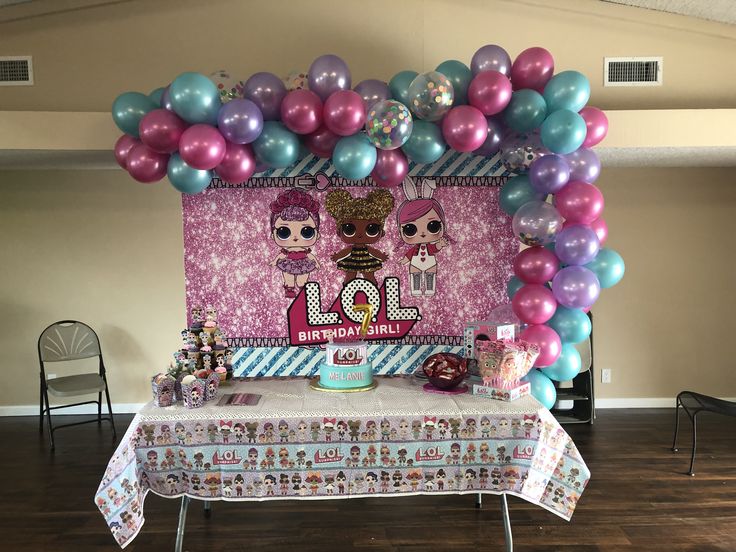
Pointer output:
492, 144
372, 91
328, 74
536, 223
576, 287
577, 244
491, 58
549, 174
266, 90
240, 121
584, 165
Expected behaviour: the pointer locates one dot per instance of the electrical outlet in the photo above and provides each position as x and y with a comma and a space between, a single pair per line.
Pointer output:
606, 375
50, 376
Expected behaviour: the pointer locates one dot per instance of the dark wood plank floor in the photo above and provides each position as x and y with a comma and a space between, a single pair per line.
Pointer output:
638, 500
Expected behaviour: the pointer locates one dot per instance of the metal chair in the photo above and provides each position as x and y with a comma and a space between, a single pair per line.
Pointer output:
69, 340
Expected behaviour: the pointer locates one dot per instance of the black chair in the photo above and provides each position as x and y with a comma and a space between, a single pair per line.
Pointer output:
693, 404
69, 340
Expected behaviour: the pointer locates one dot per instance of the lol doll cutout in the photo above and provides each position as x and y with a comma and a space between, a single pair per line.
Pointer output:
295, 229
421, 222
360, 223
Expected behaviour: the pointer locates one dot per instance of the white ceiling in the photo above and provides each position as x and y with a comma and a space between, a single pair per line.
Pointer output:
723, 11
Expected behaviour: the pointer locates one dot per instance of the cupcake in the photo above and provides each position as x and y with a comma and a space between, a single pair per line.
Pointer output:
197, 317
210, 324
221, 371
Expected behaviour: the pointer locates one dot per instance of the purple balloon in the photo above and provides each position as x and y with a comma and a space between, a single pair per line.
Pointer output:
328, 74
496, 130
266, 90
372, 91
577, 244
166, 100
549, 173
576, 287
584, 165
491, 58
240, 121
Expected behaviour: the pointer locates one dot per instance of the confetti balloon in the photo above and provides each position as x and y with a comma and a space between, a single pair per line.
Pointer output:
430, 96
520, 149
228, 87
389, 124
536, 223
296, 80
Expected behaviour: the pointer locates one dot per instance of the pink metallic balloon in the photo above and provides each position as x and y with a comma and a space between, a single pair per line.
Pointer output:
490, 91
536, 265
534, 304
301, 111
391, 168
597, 125
122, 147
161, 130
146, 165
579, 202
238, 164
202, 147
344, 112
548, 341
321, 142
464, 128
532, 69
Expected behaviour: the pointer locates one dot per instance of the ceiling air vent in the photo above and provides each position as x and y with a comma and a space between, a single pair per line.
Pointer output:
16, 71
632, 71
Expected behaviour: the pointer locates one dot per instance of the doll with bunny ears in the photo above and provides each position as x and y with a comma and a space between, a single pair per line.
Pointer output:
421, 222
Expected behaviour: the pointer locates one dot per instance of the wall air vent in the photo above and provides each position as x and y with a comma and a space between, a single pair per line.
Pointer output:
632, 71
16, 71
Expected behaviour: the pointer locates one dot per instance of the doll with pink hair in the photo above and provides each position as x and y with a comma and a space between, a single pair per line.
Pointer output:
421, 222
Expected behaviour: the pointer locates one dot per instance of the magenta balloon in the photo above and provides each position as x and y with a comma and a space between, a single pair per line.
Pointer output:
577, 244
490, 91
536, 265
161, 130
597, 124
548, 342
321, 142
301, 111
391, 168
372, 91
327, 75
576, 287
238, 165
584, 165
534, 304
146, 165
266, 90
344, 112
532, 69
579, 202
490, 58
202, 147
122, 147
492, 144
464, 128
600, 228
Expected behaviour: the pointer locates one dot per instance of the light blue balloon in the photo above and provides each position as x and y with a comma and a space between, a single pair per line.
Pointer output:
567, 366
399, 86
526, 110
513, 285
426, 144
542, 388
609, 266
572, 325
460, 76
186, 179
128, 109
567, 90
277, 146
516, 192
563, 131
354, 156
195, 98
157, 94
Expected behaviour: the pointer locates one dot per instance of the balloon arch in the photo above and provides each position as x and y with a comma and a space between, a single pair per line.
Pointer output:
199, 127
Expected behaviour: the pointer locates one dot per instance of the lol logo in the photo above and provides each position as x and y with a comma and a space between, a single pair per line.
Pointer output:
429, 454
226, 458
328, 455
523, 452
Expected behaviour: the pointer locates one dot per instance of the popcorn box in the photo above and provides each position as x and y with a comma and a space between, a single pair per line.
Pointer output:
500, 394
193, 393
211, 383
162, 386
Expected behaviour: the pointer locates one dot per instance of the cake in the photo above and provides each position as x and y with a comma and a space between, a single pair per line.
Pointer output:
346, 366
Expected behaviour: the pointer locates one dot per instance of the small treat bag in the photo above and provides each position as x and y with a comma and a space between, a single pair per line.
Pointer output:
193, 393
212, 382
162, 386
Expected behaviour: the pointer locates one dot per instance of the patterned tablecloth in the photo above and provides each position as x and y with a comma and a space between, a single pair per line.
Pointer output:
297, 443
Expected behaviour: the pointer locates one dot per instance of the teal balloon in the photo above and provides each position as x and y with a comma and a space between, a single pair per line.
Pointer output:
512, 286
542, 388
277, 146
572, 325
567, 90
195, 98
426, 144
567, 366
156, 95
186, 179
460, 76
608, 266
354, 156
128, 109
399, 86
516, 192
563, 131
526, 110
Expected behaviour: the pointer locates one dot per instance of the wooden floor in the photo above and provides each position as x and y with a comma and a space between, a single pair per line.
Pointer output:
638, 500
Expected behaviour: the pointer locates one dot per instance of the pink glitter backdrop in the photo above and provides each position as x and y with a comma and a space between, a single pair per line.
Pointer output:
228, 248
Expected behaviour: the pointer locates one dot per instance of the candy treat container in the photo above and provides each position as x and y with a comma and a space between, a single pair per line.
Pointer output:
162, 386
193, 392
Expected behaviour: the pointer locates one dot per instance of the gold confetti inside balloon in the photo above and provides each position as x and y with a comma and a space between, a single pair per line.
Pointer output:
388, 124
430, 96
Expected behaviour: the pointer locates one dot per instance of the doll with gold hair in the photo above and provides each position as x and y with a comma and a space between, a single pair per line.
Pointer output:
360, 224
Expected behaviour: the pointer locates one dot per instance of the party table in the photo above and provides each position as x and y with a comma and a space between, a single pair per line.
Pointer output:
298, 443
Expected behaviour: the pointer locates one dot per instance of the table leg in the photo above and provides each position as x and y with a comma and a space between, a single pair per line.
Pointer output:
182, 522
507, 524
207, 509
479, 501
